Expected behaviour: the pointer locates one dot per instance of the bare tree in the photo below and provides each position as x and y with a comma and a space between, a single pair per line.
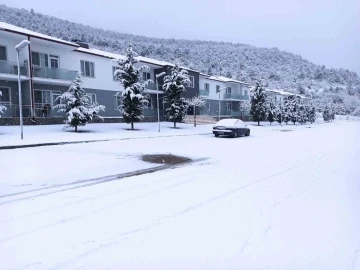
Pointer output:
196, 102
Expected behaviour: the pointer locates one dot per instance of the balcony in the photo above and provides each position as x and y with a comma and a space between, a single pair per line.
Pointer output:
56, 74
204, 93
235, 96
12, 68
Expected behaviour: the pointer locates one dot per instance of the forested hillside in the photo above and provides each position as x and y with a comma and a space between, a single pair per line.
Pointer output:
277, 69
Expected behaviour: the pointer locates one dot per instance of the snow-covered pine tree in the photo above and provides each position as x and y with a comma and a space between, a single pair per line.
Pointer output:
2, 108
132, 98
174, 86
75, 103
287, 109
280, 113
271, 110
258, 103
311, 112
293, 109
196, 102
302, 113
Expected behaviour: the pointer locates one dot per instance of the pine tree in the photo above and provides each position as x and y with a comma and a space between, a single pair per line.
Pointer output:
280, 113
174, 86
2, 108
293, 109
258, 103
196, 102
132, 99
287, 109
75, 103
311, 110
271, 111
302, 113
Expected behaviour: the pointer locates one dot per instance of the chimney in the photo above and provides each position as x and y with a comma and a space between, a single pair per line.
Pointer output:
81, 43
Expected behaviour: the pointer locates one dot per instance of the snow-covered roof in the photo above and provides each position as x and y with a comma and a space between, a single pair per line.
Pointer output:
100, 53
227, 122
225, 79
284, 93
153, 61
22, 31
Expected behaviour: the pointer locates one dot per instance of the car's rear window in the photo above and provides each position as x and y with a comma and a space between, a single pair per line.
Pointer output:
227, 122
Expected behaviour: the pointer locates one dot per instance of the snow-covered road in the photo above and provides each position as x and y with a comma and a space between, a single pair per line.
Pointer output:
274, 200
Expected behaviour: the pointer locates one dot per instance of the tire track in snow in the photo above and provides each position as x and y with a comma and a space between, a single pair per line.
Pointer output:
188, 209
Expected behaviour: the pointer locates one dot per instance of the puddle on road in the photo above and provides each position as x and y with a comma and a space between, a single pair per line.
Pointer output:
165, 159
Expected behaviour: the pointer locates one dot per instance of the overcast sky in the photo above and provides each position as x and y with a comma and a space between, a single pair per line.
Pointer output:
322, 31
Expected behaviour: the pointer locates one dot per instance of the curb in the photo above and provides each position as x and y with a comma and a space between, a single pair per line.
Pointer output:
11, 147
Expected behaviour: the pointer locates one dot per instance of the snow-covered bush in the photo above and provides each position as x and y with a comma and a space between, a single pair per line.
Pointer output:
174, 86
258, 103
196, 102
132, 98
76, 104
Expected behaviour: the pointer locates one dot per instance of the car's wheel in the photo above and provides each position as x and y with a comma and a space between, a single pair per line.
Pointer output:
247, 133
216, 135
235, 134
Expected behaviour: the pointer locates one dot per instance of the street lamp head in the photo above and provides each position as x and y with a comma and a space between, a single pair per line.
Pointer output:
160, 74
22, 45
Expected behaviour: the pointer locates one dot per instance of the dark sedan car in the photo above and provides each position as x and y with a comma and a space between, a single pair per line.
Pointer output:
231, 127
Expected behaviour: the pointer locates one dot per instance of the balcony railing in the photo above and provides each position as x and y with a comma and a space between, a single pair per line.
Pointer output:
235, 96
152, 86
12, 68
51, 73
204, 93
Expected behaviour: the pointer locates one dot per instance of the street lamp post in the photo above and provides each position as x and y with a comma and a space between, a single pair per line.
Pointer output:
18, 48
157, 96
218, 91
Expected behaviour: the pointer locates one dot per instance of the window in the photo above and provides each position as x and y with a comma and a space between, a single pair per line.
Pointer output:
40, 59
217, 106
246, 92
3, 53
228, 107
54, 61
192, 81
228, 90
87, 69
113, 73
207, 87
217, 88
43, 97
208, 106
5, 95
45, 60
146, 76
92, 98
117, 101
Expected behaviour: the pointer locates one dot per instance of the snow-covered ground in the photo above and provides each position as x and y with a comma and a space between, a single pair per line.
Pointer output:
274, 200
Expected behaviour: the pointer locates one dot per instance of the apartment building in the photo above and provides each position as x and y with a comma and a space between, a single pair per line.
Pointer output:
226, 93
55, 63
279, 96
